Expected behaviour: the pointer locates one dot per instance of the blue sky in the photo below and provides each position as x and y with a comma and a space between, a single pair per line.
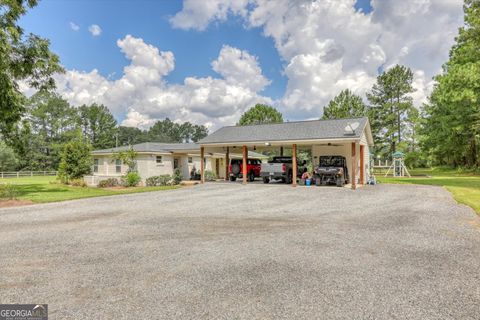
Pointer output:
193, 50
294, 67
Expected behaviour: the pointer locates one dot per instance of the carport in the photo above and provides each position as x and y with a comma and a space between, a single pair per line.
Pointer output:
351, 138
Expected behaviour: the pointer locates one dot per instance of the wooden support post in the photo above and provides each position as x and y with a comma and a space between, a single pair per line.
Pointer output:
294, 165
362, 164
227, 164
281, 151
353, 174
202, 164
244, 165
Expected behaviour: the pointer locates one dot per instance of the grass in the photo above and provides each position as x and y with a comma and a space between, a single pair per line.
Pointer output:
464, 186
45, 189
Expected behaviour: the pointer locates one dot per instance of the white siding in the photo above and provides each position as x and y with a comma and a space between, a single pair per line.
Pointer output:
366, 155
148, 166
106, 167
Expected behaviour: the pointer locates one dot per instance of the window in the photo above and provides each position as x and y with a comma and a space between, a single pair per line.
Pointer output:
118, 166
190, 160
159, 159
95, 165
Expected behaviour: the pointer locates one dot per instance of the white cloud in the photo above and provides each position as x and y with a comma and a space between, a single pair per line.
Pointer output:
74, 26
95, 30
144, 95
241, 68
198, 14
328, 46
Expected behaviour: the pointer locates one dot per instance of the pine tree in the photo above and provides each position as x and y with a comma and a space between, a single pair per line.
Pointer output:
452, 128
390, 102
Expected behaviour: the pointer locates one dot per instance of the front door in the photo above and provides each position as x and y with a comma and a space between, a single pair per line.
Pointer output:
176, 163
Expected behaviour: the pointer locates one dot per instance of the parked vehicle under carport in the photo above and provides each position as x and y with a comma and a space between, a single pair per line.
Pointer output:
332, 170
280, 168
236, 169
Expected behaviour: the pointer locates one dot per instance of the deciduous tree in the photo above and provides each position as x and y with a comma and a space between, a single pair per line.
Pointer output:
76, 160
260, 114
25, 58
345, 105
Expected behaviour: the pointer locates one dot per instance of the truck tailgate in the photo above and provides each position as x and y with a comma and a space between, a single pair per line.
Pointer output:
271, 167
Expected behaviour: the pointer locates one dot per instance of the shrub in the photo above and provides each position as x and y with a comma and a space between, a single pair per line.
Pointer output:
152, 181
110, 182
164, 180
77, 183
161, 180
131, 179
210, 175
75, 161
177, 176
8, 191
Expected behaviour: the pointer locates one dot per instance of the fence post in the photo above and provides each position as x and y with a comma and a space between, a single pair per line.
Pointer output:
18, 174
31, 173
2, 174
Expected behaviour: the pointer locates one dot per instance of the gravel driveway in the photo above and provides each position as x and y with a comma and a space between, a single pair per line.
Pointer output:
225, 251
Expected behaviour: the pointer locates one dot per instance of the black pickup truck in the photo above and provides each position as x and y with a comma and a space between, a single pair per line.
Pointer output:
331, 170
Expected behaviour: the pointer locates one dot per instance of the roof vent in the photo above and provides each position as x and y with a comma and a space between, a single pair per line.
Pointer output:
351, 127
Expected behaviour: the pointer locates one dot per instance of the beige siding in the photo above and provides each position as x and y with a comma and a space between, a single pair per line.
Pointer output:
364, 142
106, 167
148, 166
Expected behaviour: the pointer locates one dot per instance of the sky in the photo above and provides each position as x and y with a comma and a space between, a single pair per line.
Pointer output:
207, 62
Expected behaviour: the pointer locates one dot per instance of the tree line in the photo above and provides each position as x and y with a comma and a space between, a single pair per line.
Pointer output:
444, 131
49, 122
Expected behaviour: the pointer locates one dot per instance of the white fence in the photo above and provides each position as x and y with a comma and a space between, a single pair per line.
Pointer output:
18, 174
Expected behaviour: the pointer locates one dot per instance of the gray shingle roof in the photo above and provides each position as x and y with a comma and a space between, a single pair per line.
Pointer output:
168, 147
153, 147
299, 130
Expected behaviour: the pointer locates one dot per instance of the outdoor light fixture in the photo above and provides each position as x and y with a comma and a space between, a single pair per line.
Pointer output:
268, 144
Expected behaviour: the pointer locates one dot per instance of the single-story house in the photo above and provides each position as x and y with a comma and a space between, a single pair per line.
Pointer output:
351, 138
155, 159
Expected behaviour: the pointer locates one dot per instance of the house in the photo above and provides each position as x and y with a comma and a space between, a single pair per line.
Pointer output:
155, 159
351, 138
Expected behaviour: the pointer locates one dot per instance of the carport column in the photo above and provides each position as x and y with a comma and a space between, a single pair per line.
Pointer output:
353, 174
294, 165
244, 165
227, 163
362, 164
202, 164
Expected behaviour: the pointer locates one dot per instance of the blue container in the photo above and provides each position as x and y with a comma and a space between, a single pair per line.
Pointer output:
308, 182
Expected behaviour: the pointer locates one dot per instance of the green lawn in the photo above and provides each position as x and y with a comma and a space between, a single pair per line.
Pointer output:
45, 189
465, 187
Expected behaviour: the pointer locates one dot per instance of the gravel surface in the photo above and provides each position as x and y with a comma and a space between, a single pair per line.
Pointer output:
225, 251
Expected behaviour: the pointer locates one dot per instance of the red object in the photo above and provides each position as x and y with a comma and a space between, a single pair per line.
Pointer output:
284, 167
253, 165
